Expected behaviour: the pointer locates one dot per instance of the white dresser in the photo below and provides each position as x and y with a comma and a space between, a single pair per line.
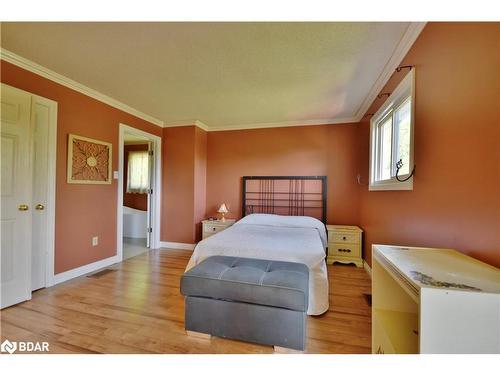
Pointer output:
344, 244
210, 227
433, 301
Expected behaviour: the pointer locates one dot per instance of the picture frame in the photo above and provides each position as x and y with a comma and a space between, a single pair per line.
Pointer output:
89, 161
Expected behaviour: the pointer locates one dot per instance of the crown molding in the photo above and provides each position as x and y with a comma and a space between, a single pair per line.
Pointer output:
283, 124
409, 37
197, 123
202, 125
40, 70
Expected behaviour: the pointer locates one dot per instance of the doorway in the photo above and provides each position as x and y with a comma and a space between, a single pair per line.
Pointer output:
28, 156
138, 188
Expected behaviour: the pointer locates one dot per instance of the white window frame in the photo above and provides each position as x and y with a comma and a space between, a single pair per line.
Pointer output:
405, 90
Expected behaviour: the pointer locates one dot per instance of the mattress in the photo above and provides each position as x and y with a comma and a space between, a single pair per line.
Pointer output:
299, 239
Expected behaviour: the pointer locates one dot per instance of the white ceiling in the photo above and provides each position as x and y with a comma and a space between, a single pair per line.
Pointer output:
225, 75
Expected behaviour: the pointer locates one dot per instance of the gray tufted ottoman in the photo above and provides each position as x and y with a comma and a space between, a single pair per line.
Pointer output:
253, 300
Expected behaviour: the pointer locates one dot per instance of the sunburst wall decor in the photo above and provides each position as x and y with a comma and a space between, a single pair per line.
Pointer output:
89, 161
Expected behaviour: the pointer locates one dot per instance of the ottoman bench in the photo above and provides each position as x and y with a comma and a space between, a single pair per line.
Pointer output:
246, 299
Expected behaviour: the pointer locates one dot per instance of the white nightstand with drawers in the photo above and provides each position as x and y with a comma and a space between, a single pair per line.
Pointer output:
210, 227
344, 244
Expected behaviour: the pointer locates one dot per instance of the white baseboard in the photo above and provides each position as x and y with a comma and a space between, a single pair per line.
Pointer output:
75, 272
367, 268
177, 245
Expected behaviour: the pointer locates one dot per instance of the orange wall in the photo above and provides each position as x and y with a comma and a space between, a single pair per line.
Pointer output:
456, 198
183, 183
305, 150
137, 201
82, 211
200, 176
178, 184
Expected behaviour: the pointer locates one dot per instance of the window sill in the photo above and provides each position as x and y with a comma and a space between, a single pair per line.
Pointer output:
391, 185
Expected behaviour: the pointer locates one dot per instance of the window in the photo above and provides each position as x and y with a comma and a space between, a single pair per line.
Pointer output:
138, 172
391, 139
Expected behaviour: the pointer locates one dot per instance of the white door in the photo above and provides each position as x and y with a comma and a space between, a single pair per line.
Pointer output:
41, 117
15, 193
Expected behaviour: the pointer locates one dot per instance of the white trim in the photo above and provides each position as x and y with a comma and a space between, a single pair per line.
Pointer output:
283, 124
367, 268
197, 123
392, 185
50, 204
404, 45
165, 245
76, 272
33, 67
405, 89
156, 196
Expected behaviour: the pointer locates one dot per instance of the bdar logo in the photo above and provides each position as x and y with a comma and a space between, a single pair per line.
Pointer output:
9, 347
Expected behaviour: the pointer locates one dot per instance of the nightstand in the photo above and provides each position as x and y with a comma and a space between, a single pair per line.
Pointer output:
210, 227
344, 244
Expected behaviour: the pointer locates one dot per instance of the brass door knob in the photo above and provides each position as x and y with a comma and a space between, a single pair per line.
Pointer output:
23, 207
39, 207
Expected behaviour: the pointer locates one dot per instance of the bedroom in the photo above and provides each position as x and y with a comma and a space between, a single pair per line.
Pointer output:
310, 149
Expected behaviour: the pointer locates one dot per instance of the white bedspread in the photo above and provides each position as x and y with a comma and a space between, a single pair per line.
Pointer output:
283, 238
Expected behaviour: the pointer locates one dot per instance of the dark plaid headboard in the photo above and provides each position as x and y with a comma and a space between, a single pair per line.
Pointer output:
285, 195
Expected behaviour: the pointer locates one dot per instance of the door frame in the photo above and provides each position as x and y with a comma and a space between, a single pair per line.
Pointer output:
50, 206
155, 196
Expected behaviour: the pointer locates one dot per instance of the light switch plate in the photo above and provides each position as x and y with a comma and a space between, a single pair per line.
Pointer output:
95, 241
115, 175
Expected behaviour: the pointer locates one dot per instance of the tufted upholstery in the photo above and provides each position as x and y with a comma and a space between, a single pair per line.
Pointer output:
255, 281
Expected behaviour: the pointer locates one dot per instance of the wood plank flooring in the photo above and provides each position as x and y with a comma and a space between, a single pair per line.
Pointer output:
138, 309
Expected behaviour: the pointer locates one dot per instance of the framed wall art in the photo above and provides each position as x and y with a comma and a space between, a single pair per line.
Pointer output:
89, 161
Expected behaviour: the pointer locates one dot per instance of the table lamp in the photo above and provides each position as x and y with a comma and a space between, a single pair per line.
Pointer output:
223, 210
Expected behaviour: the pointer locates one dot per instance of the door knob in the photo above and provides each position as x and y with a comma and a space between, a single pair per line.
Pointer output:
39, 207
23, 207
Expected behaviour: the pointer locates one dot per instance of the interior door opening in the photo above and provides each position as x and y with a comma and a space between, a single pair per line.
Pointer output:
137, 185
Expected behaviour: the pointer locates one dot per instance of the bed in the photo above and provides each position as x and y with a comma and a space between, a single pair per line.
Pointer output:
278, 228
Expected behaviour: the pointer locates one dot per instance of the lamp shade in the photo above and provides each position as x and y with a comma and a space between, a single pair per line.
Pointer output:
223, 209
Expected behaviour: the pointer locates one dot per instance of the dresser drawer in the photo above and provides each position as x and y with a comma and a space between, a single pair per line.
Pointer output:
344, 250
344, 237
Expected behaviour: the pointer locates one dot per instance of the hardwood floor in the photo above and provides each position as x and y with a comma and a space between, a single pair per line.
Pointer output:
137, 308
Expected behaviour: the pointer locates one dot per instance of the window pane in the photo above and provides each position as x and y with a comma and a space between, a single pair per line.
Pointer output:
402, 130
385, 132
138, 172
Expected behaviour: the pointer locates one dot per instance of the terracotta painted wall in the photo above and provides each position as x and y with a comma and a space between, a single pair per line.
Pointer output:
200, 176
177, 184
305, 150
82, 211
183, 183
137, 201
456, 198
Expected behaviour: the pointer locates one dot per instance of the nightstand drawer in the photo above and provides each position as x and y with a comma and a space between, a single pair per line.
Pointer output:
344, 250
344, 237
212, 229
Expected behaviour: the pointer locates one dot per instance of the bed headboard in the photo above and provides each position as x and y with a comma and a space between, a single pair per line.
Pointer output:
285, 195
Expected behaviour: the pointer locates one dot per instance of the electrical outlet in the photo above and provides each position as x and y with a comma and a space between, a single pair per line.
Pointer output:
95, 241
